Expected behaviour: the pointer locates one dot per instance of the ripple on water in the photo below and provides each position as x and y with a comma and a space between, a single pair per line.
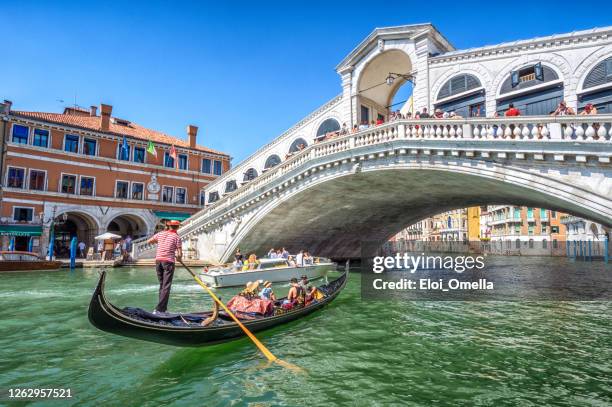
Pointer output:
397, 353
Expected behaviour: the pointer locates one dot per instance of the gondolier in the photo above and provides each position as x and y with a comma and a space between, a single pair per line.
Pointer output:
168, 251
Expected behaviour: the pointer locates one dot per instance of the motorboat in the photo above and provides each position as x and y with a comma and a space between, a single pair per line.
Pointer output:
26, 261
275, 270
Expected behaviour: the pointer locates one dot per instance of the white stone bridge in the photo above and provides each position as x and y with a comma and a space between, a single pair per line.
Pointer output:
331, 195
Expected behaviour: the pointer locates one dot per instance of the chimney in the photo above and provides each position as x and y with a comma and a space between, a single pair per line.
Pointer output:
93, 110
7, 106
192, 132
105, 115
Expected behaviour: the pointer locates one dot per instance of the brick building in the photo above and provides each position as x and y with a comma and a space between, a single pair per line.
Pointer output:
88, 172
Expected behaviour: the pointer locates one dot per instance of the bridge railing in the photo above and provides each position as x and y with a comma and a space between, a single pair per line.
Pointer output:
571, 129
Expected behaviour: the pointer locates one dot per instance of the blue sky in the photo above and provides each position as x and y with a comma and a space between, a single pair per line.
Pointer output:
242, 71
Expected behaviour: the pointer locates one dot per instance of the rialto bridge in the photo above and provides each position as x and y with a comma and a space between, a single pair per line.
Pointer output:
327, 194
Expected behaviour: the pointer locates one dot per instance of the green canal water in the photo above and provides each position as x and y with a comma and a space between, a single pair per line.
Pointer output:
355, 352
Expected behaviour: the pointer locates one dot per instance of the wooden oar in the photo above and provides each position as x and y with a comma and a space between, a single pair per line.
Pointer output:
256, 341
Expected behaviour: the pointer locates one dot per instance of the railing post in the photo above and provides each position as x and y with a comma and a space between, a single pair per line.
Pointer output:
556, 132
467, 130
401, 130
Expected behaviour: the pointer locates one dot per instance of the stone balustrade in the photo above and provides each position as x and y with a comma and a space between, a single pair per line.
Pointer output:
489, 137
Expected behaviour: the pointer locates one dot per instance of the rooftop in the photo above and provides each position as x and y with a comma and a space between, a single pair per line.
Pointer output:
76, 117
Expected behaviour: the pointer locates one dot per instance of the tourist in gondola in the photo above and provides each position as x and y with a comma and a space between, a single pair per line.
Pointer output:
168, 251
267, 293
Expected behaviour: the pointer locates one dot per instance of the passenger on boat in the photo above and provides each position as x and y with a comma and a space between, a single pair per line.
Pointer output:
249, 302
272, 253
312, 293
308, 260
251, 263
295, 297
238, 256
299, 259
291, 262
267, 293
284, 253
237, 266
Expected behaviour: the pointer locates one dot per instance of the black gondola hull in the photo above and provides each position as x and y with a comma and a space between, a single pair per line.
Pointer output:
106, 317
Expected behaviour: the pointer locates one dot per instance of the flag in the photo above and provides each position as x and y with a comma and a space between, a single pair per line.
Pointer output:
151, 149
408, 106
173, 155
125, 152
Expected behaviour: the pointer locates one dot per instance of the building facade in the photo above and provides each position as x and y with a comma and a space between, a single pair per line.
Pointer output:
521, 230
86, 172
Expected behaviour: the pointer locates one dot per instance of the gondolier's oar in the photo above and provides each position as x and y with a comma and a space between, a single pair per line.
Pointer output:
256, 341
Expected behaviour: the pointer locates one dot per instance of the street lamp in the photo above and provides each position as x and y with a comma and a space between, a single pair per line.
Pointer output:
393, 76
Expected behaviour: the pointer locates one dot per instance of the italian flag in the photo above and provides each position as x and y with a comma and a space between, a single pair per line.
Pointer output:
151, 149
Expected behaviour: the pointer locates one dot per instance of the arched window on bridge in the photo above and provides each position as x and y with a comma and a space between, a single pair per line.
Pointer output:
462, 94
297, 145
249, 175
272, 161
213, 197
526, 90
230, 186
329, 126
598, 87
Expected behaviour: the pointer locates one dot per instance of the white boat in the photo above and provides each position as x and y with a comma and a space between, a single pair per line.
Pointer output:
273, 270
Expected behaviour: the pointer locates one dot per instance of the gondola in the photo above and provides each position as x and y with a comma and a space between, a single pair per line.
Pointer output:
186, 329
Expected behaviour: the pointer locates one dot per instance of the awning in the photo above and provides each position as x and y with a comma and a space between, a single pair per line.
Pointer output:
20, 230
180, 216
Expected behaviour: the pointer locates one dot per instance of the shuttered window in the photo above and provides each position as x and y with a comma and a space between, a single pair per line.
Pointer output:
458, 84
601, 74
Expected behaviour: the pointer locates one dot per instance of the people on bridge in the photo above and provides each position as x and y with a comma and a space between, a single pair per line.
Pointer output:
344, 131
423, 114
512, 111
563, 110
168, 251
589, 109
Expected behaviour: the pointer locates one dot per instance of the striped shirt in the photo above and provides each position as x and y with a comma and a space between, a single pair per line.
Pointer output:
167, 243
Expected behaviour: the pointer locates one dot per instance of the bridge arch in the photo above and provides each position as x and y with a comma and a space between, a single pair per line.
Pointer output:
375, 91
331, 215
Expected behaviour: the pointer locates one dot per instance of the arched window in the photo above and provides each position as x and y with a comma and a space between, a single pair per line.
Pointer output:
596, 92
328, 126
297, 145
250, 174
600, 74
517, 243
272, 161
528, 76
458, 84
230, 186
213, 197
